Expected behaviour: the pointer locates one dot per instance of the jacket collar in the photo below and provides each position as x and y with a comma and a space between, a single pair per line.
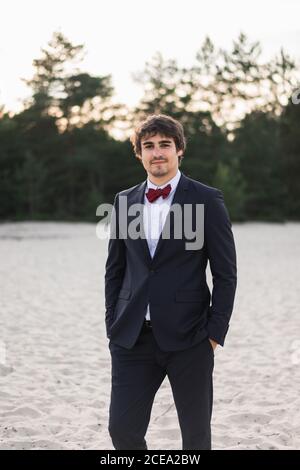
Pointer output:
137, 196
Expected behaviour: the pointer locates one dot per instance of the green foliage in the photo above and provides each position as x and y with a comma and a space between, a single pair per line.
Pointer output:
290, 158
257, 145
59, 159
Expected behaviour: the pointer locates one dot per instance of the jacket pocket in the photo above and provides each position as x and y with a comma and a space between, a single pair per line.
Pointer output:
189, 296
124, 294
210, 346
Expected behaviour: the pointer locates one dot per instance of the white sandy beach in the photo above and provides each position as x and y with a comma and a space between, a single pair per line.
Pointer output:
55, 363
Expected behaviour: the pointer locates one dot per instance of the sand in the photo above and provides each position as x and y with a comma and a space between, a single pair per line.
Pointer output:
55, 362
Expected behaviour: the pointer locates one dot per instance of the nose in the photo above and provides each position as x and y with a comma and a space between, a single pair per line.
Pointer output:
156, 152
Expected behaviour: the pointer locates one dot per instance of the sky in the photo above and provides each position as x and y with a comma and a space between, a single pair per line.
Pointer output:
121, 35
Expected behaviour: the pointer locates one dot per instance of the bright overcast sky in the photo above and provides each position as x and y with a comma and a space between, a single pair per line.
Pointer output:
121, 35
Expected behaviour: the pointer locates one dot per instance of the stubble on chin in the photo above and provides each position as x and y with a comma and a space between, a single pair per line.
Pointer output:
158, 171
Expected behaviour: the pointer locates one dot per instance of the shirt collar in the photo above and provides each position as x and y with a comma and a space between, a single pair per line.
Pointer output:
173, 182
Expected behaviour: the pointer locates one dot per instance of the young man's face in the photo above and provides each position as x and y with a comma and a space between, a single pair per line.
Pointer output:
159, 157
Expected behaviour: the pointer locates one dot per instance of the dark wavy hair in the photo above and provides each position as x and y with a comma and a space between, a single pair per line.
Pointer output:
159, 124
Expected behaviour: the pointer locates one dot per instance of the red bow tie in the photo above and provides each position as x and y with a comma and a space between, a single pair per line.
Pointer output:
153, 194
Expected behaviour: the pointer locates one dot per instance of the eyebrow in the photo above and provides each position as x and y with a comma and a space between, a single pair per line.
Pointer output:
165, 141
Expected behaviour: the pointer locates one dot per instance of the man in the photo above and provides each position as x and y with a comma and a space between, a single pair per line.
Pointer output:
158, 314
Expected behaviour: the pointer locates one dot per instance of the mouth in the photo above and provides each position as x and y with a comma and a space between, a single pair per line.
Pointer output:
160, 161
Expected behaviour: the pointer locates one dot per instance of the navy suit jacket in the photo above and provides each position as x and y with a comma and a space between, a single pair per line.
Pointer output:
183, 310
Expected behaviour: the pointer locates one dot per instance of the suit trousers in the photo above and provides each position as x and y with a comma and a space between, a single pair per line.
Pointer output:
138, 373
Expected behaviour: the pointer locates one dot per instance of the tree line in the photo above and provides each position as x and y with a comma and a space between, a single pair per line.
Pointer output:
68, 150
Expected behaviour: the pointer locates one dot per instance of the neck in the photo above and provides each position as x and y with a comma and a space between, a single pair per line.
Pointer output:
161, 180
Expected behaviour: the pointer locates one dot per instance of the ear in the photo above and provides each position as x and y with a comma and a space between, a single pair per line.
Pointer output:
180, 153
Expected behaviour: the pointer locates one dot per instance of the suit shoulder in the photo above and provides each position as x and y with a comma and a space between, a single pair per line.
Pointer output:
127, 191
205, 191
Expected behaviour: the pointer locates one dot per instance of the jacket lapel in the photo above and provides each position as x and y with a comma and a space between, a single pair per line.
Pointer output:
137, 197
179, 198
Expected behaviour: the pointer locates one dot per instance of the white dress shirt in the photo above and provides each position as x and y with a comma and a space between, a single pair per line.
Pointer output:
155, 214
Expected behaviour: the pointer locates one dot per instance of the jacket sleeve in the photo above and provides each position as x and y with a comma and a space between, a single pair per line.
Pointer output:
114, 268
221, 253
